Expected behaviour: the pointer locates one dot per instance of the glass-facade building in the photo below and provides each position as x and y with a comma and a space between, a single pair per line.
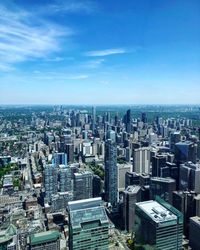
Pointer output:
158, 226
88, 225
111, 173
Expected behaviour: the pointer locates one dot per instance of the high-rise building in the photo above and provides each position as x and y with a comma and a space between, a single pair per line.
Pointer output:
93, 119
159, 168
131, 196
131, 178
187, 203
60, 159
111, 135
82, 185
50, 180
45, 240
128, 121
144, 118
186, 151
111, 173
141, 160
88, 225
175, 137
65, 178
122, 170
96, 183
162, 187
189, 177
194, 233
158, 225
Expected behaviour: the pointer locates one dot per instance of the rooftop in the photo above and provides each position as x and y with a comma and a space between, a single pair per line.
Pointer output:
167, 179
42, 237
87, 210
156, 211
196, 220
132, 189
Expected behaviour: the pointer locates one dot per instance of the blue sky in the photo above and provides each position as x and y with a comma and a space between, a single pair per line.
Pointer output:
99, 52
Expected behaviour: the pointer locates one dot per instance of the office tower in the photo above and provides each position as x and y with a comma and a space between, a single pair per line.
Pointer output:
50, 180
128, 121
44, 240
88, 225
60, 200
60, 159
116, 120
158, 225
144, 180
159, 168
131, 178
85, 134
111, 135
162, 187
152, 138
69, 149
144, 118
96, 186
131, 196
141, 160
127, 154
190, 177
93, 119
197, 205
111, 173
65, 178
186, 151
82, 185
194, 233
185, 202
122, 170
175, 137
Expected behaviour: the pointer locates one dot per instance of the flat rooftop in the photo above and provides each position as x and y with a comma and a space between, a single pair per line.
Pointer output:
156, 211
132, 189
43, 237
196, 220
86, 210
167, 179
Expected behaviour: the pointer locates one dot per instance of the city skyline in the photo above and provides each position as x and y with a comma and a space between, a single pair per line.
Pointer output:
95, 52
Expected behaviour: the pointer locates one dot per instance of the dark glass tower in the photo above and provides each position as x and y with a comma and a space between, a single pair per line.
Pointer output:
111, 173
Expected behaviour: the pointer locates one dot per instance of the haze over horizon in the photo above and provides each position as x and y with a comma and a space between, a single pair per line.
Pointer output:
99, 52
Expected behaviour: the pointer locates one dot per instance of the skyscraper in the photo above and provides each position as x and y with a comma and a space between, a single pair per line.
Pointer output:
128, 121
88, 225
60, 159
111, 173
162, 187
186, 151
82, 185
158, 225
93, 119
50, 180
190, 177
141, 160
159, 168
65, 178
131, 196
144, 118
194, 233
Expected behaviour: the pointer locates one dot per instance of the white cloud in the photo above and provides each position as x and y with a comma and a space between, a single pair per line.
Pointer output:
106, 52
20, 40
72, 6
77, 77
93, 64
